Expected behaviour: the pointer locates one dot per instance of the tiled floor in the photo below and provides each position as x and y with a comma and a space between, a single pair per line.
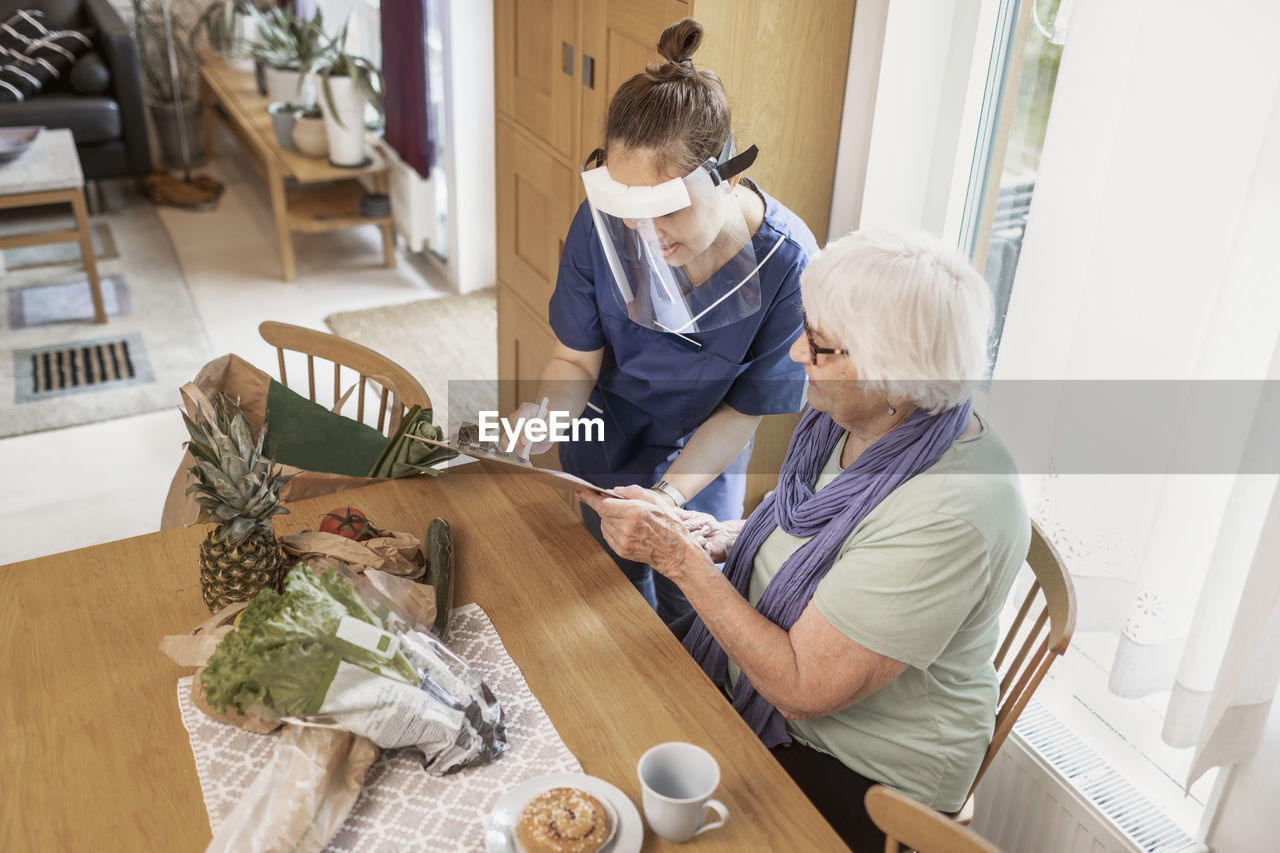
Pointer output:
75, 487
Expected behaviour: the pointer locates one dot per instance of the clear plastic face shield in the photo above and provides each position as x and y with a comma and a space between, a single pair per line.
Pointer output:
680, 252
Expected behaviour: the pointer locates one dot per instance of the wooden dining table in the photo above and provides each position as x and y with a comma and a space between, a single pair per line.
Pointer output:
94, 755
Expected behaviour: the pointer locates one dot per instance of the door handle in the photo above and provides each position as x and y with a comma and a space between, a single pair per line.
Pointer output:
566, 58
588, 71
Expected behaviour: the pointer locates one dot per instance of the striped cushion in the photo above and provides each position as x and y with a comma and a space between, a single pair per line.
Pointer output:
32, 54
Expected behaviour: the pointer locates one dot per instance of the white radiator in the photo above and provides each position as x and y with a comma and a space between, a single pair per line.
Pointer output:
1049, 792
412, 201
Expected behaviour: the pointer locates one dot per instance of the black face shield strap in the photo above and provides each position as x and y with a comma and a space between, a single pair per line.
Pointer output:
726, 169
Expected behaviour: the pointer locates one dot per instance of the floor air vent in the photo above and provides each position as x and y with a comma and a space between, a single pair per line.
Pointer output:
76, 365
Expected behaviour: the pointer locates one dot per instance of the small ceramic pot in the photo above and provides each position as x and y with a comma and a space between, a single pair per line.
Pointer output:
309, 136
283, 118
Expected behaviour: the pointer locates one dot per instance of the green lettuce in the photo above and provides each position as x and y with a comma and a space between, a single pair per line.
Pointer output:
285, 653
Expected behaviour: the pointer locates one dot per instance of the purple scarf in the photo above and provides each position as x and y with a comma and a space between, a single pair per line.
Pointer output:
828, 517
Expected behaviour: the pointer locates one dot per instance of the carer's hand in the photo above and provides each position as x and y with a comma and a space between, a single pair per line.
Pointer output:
526, 411
643, 527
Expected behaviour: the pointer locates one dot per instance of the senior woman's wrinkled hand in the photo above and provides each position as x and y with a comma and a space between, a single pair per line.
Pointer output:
714, 537
640, 528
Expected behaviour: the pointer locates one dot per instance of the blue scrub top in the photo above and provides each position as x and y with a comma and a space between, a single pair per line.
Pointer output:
654, 390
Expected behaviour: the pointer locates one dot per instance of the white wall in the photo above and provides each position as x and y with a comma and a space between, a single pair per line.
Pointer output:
908, 98
869, 20
470, 152
928, 98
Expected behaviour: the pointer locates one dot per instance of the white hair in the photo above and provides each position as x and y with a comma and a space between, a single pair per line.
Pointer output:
913, 313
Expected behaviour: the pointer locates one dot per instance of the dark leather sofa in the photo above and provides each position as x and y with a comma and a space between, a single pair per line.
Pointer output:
110, 127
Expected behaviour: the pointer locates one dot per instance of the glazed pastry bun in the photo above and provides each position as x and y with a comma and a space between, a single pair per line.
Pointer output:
564, 820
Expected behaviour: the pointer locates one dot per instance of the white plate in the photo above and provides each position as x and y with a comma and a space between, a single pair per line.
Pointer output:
499, 829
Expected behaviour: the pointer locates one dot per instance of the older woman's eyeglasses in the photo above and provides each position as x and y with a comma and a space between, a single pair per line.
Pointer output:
815, 350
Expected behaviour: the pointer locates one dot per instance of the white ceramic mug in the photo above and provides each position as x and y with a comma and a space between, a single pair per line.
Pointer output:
677, 781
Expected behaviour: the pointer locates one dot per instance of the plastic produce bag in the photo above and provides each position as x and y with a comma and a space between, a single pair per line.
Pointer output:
331, 651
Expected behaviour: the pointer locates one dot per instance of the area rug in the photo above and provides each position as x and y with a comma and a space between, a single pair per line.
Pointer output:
60, 253
449, 344
57, 367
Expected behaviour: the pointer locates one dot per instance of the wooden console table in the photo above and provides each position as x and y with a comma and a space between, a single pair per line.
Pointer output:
321, 197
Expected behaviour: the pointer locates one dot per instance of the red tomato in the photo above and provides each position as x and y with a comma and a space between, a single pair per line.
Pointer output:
349, 522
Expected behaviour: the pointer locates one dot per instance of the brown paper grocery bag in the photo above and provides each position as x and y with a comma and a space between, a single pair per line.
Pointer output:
394, 553
241, 380
301, 798
194, 649
237, 377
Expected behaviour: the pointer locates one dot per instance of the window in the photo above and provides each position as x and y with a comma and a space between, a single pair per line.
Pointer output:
437, 114
364, 30
992, 238
422, 208
1107, 525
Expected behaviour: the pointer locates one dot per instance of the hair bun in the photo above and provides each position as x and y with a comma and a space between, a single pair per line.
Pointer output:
671, 107
680, 41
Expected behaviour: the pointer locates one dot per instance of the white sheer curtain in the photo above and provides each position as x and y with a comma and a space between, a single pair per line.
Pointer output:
1148, 256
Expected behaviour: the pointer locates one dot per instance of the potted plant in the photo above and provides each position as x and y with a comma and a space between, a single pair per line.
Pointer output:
228, 26
157, 78
345, 85
285, 45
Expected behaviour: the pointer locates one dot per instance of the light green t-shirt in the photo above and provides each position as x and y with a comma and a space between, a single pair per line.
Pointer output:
921, 580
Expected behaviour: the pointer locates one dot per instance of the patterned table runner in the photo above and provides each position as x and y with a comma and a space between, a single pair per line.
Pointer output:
401, 807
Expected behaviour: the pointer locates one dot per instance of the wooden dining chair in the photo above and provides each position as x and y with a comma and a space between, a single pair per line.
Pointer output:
1034, 644
905, 821
397, 389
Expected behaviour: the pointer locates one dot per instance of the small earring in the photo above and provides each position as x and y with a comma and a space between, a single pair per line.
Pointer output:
892, 410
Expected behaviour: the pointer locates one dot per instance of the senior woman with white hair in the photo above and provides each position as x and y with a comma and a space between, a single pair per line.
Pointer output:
856, 617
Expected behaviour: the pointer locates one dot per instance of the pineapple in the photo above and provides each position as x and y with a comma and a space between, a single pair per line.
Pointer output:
239, 490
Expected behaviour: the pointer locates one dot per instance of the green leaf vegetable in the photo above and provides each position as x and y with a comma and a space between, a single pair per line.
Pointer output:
285, 653
404, 457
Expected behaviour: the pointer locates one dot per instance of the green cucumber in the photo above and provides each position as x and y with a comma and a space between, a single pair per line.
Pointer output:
440, 573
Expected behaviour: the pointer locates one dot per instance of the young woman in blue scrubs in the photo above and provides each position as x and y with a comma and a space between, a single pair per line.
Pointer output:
676, 303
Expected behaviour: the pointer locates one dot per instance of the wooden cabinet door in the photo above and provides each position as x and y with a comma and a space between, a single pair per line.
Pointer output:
525, 344
784, 67
537, 53
535, 206
773, 436
620, 38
